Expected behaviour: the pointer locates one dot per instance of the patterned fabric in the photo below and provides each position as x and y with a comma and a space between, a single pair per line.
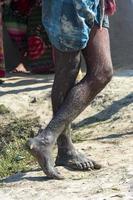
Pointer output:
23, 19
110, 7
16, 25
39, 49
69, 22
36, 47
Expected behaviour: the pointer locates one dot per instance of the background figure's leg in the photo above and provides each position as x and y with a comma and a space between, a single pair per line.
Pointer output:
66, 71
99, 66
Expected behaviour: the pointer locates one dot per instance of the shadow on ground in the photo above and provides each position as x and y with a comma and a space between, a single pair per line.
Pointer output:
106, 113
24, 176
30, 83
115, 136
28, 89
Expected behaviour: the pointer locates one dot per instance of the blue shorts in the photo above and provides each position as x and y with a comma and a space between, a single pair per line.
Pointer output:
69, 22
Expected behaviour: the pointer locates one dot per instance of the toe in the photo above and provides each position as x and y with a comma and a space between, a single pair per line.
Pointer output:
86, 166
55, 175
96, 165
91, 164
58, 175
80, 166
76, 166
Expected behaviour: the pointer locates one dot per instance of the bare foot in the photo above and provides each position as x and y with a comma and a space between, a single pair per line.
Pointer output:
76, 161
41, 150
20, 69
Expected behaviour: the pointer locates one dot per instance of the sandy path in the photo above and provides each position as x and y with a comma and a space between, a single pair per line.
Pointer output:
108, 127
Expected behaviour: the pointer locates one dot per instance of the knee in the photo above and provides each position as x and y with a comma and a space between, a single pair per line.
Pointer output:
104, 75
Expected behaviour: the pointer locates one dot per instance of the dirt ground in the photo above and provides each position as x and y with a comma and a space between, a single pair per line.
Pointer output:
107, 125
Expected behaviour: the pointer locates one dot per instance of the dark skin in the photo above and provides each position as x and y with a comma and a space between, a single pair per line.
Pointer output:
69, 100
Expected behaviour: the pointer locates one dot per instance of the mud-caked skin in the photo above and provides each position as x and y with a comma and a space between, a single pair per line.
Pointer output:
74, 160
67, 154
41, 148
70, 99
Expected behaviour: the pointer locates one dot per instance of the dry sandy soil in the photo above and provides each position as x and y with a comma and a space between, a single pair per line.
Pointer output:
107, 125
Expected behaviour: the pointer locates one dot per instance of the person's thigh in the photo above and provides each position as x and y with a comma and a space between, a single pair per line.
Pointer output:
97, 52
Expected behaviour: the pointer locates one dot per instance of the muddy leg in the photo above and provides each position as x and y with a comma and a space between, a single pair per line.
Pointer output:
99, 65
64, 80
67, 155
67, 66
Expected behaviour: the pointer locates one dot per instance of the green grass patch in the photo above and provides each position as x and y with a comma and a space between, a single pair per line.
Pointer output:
13, 155
14, 158
3, 109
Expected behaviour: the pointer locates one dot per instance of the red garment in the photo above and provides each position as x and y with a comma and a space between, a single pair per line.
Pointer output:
2, 73
36, 47
110, 7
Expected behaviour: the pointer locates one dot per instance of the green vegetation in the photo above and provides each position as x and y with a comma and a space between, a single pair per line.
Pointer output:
79, 136
14, 158
3, 110
13, 155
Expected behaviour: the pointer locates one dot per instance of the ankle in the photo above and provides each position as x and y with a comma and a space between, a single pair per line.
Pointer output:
47, 138
65, 150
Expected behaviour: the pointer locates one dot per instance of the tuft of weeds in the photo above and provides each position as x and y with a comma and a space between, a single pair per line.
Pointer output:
14, 158
3, 109
18, 128
13, 155
79, 136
